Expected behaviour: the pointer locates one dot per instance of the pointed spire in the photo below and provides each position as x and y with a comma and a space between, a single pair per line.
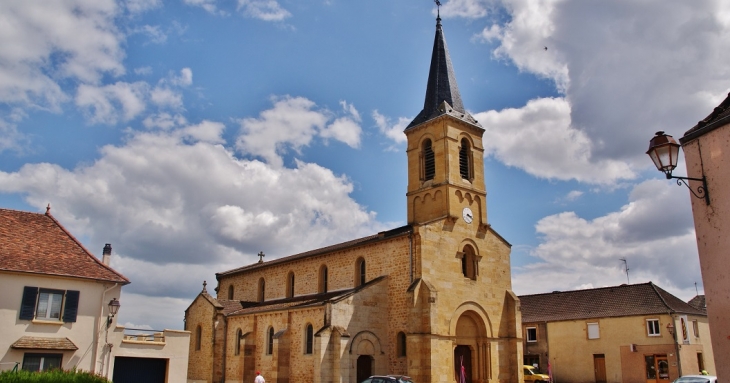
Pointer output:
441, 85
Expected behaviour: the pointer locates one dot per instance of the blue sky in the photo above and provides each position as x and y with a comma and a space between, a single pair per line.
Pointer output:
193, 134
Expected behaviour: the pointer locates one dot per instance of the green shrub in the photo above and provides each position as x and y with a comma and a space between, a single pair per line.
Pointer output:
53, 376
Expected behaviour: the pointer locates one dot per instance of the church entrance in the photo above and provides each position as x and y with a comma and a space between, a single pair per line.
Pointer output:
364, 367
462, 364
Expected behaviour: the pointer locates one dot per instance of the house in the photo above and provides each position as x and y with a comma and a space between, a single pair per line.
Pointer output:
707, 156
629, 333
55, 308
431, 299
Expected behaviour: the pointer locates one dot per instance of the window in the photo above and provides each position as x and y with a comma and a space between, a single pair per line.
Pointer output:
50, 305
593, 332
198, 337
308, 339
323, 279
290, 285
696, 328
652, 327
360, 272
401, 344
239, 335
468, 263
41, 362
262, 289
429, 161
465, 160
270, 342
531, 334
700, 361
230, 292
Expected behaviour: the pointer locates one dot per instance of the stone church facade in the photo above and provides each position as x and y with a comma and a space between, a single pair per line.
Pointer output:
429, 300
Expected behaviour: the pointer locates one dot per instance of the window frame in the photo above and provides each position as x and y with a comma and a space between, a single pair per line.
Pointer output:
597, 328
528, 339
42, 361
696, 328
262, 290
270, 341
308, 339
466, 167
428, 160
402, 344
360, 272
198, 337
290, 285
322, 286
68, 307
650, 331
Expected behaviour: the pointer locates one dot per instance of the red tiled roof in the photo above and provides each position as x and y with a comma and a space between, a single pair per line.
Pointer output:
37, 243
605, 302
29, 342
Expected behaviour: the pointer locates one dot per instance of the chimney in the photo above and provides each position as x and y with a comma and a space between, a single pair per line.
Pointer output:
106, 254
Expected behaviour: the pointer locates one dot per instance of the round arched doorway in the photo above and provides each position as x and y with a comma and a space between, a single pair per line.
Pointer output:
469, 337
364, 367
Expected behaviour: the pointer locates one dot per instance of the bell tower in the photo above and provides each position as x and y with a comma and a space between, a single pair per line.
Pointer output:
445, 151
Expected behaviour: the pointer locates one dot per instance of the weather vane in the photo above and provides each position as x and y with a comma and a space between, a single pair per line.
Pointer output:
438, 5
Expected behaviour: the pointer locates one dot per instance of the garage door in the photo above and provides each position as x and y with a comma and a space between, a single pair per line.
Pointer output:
139, 370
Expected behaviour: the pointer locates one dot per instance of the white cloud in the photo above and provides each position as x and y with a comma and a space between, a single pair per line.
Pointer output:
658, 242
46, 42
394, 131
139, 6
155, 34
166, 97
164, 121
471, 9
113, 103
208, 5
179, 200
292, 123
540, 139
267, 10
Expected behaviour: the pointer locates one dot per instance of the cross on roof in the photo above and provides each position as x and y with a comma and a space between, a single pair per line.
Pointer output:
261, 256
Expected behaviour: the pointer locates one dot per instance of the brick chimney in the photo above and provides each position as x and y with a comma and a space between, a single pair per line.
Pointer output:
106, 254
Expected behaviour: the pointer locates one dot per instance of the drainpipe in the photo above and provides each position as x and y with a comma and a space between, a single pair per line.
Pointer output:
96, 333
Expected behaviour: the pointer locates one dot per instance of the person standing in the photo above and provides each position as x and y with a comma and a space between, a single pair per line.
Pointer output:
259, 378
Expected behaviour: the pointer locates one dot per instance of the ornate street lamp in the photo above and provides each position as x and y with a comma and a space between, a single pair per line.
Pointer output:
664, 151
113, 309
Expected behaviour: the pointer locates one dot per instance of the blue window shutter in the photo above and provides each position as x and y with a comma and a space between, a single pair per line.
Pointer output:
27, 305
71, 308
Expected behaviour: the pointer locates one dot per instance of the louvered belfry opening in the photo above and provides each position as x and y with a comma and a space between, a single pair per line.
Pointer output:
464, 160
429, 161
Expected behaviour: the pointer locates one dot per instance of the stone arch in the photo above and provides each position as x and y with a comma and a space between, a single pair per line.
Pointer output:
470, 330
366, 343
476, 313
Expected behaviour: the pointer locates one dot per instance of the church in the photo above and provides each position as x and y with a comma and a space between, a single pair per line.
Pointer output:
432, 300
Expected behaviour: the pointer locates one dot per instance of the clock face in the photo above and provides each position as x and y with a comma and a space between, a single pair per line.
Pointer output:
467, 214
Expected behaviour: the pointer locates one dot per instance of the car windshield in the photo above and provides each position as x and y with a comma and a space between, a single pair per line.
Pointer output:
528, 372
692, 379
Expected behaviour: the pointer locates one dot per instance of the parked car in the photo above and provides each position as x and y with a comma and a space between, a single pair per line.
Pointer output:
388, 379
697, 379
532, 376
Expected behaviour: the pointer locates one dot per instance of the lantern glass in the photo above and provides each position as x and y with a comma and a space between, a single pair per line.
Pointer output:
663, 151
114, 306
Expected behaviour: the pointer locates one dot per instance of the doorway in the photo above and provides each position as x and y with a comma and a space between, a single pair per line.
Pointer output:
657, 369
599, 366
462, 364
364, 367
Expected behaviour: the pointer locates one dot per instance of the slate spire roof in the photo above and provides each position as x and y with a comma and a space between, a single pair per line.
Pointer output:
441, 87
37, 243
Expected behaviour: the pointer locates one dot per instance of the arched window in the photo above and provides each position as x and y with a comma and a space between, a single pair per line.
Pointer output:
468, 263
290, 285
323, 279
239, 336
230, 292
360, 275
429, 161
262, 289
198, 336
465, 168
308, 339
401, 344
270, 341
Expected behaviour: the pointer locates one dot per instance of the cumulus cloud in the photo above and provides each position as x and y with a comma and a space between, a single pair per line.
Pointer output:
208, 5
46, 42
113, 103
576, 252
392, 130
541, 139
267, 10
292, 123
179, 200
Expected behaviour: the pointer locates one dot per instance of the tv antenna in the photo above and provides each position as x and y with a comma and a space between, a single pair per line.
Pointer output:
626, 266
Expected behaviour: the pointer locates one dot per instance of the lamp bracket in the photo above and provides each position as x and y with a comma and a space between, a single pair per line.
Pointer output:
701, 190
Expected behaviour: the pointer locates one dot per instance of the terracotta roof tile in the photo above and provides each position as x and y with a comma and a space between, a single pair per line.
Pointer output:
30, 342
616, 301
699, 303
37, 243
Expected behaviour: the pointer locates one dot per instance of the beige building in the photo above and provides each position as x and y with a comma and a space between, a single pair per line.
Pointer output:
422, 300
54, 309
630, 333
707, 155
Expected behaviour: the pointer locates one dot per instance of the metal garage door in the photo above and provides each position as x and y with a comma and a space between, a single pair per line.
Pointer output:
139, 370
